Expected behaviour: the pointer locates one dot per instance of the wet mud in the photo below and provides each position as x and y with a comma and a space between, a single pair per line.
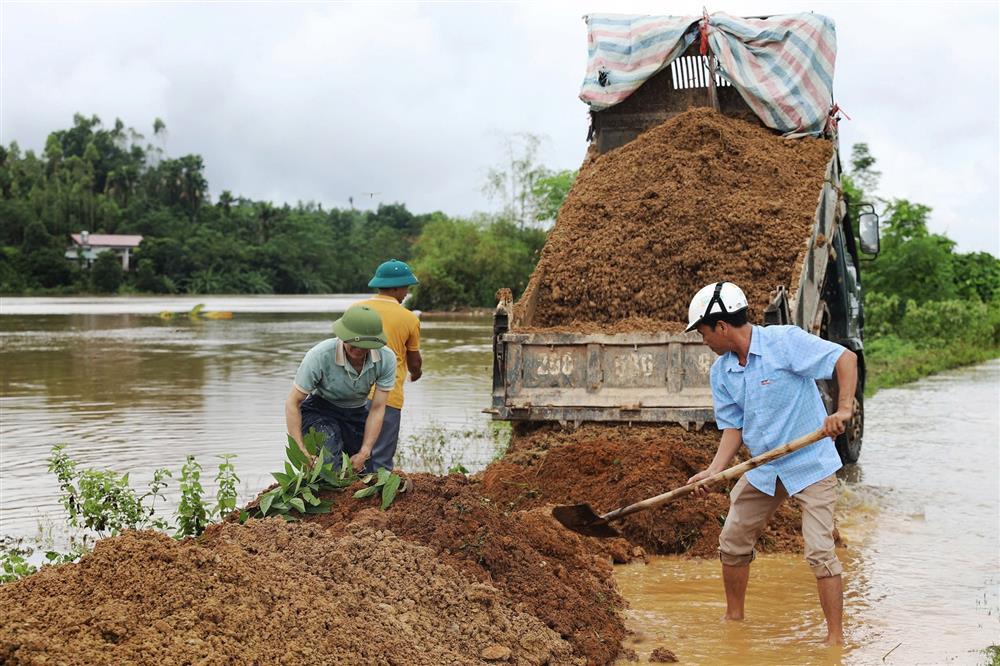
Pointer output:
611, 466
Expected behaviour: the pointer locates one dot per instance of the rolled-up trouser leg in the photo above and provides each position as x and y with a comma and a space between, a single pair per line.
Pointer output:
385, 446
817, 503
749, 511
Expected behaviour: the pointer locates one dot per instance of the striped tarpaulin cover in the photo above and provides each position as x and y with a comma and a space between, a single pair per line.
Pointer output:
782, 65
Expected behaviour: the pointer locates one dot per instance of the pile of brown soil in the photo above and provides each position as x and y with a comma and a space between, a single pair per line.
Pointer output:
611, 466
547, 571
700, 198
266, 592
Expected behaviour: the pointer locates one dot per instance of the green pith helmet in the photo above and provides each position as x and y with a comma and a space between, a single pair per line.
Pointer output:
393, 273
360, 327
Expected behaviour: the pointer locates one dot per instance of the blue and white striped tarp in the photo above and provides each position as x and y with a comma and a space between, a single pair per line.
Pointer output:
782, 65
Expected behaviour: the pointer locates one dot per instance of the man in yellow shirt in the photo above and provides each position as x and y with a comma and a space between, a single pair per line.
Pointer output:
402, 328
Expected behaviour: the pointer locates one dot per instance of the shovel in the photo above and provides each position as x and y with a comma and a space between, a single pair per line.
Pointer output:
583, 519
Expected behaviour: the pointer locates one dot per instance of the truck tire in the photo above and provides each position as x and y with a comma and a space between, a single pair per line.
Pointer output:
849, 443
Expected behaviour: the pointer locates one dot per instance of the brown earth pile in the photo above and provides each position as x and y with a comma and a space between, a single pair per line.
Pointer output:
662, 655
700, 198
611, 466
266, 592
548, 572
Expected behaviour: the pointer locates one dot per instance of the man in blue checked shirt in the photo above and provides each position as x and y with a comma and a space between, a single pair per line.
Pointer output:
765, 394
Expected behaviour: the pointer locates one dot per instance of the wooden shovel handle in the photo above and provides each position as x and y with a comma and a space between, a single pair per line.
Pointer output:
733, 472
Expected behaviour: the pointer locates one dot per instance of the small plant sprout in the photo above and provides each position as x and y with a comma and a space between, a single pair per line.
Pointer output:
225, 481
192, 514
13, 565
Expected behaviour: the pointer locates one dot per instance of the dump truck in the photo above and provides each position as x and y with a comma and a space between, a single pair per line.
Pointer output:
663, 377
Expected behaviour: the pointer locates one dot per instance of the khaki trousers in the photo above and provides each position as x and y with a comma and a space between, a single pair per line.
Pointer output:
750, 509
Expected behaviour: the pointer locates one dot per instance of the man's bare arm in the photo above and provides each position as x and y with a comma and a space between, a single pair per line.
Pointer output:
373, 426
293, 416
414, 363
729, 444
846, 372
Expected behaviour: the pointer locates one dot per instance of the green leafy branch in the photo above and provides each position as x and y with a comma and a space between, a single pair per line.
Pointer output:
303, 479
387, 482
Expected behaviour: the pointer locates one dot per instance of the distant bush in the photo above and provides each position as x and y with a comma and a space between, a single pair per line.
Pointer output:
882, 314
937, 321
462, 263
106, 274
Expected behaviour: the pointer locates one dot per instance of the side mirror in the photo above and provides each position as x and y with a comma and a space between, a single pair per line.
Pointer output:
868, 231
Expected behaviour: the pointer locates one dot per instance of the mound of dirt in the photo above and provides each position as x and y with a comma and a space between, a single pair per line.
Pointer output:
547, 571
266, 592
611, 466
700, 198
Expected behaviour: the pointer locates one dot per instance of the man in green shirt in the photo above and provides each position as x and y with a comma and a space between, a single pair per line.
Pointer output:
332, 384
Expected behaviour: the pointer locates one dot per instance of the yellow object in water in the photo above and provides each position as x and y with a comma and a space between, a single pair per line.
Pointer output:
198, 312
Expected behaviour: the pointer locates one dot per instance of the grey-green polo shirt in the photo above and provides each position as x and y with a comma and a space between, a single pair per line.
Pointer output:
325, 370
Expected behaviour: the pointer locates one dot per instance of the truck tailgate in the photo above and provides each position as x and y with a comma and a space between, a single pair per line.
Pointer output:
574, 377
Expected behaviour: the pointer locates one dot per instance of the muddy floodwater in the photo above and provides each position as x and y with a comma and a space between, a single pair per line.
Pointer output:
920, 516
126, 389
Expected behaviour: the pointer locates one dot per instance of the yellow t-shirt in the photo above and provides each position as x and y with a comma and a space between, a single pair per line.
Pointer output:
402, 328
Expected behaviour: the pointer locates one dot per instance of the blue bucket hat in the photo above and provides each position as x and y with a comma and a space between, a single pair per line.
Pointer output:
393, 273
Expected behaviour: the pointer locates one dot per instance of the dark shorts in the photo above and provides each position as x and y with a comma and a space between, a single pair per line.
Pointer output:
344, 427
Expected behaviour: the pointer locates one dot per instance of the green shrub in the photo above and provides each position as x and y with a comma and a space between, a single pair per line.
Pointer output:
106, 273
993, 316
103, 500
300, 484
934, 322
882, 314
387, 483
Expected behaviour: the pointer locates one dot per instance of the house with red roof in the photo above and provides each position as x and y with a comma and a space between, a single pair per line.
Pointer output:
87, 246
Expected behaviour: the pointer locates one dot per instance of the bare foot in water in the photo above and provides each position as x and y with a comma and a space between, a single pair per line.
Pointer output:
834, 641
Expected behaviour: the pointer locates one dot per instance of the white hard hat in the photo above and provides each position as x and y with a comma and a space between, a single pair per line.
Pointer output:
715, 298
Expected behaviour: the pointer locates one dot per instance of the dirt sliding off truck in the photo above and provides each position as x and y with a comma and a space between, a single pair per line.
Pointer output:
615, 373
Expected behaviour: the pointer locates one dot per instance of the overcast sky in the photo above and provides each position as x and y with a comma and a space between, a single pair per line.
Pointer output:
322, 101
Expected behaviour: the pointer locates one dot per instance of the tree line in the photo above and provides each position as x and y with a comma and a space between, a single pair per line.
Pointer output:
115, 180
927, 307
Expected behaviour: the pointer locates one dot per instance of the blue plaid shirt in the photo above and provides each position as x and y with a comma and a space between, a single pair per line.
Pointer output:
774, 399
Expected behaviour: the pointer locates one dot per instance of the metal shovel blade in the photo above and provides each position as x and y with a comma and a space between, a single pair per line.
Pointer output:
581, 518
